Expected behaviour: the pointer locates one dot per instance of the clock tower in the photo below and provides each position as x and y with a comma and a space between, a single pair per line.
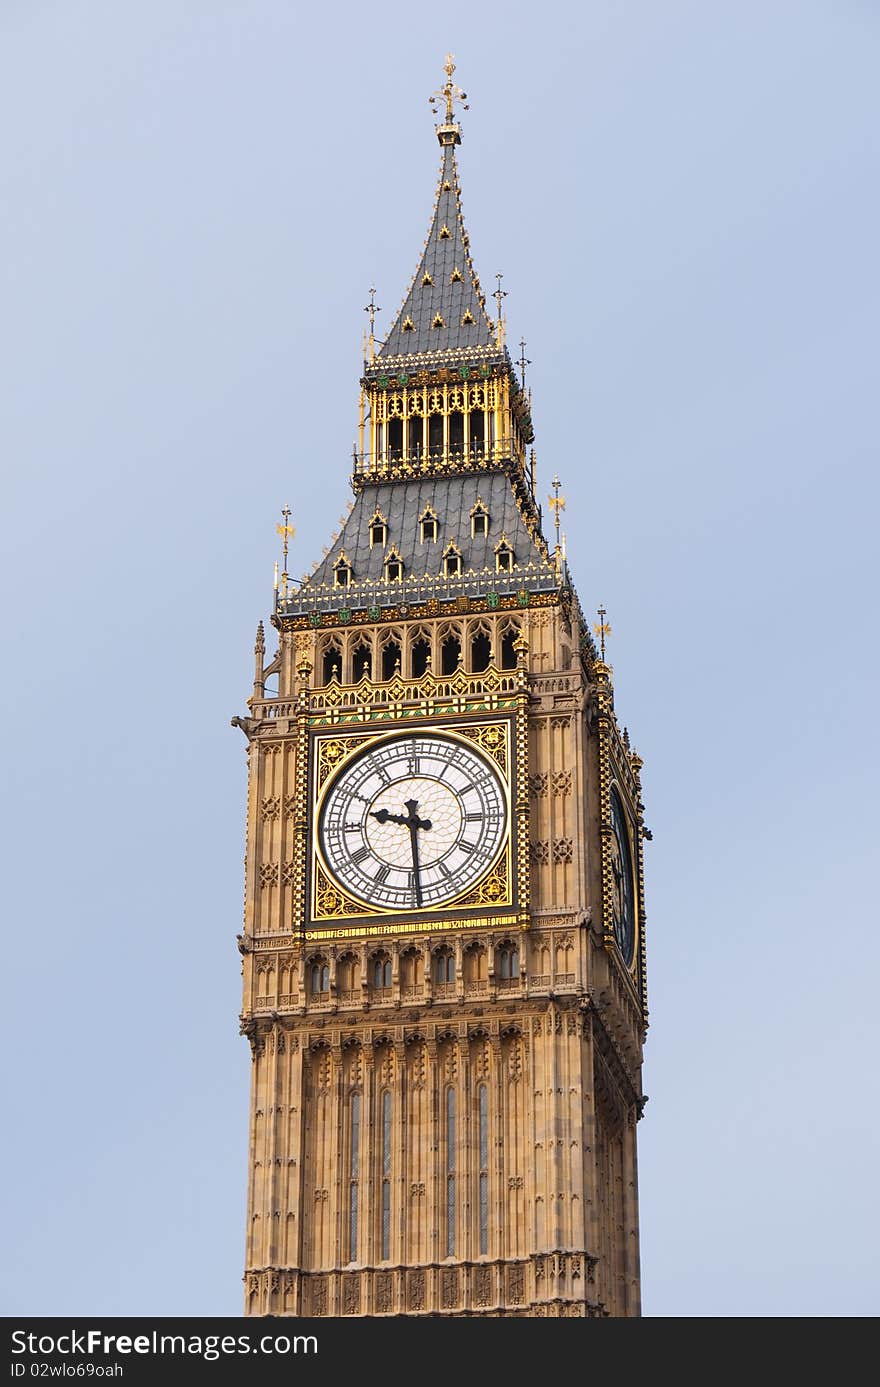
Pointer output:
444, 928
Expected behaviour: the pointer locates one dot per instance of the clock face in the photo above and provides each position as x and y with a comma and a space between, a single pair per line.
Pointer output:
622, 898
412, 822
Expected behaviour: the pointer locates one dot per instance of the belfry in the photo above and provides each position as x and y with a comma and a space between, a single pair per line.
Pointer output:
444, 928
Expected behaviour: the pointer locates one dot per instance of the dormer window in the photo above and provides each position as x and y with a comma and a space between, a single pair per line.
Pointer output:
438, 320
468, 318
342, 574
452, 560
455, 277
393, 567
408, 325
428, 526
378, 530
479, 521
428, 278
504, 556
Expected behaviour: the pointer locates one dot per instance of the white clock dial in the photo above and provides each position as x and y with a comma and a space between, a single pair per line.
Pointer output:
413, 821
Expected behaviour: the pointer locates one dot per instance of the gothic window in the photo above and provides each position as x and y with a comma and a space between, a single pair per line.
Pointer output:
508, 651
435, 435
342, 574
347, 970
395, 439
354, 1174
393, 567
477, 421
479, 521
475, 964
456, 432
319, 977
378, 530
450, 1172
390, 660
420, 657
504, 557
331, 664
362, 662
444, 965
483, 1114
452, 560
450, 655
386, 1176
508, 961
380, 971
481, 650
411, 968
428, 526
414, 435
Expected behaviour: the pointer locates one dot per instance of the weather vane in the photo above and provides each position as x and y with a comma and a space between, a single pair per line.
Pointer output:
449, 92
602, 628
524, 361
286, 531
372, 308
558, 504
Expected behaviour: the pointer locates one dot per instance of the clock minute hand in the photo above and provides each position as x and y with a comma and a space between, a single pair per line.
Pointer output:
415, 823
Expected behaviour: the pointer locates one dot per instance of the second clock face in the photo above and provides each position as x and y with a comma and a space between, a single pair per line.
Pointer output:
623, 905
414, 821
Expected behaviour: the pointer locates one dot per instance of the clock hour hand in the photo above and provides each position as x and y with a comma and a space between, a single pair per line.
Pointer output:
383, 817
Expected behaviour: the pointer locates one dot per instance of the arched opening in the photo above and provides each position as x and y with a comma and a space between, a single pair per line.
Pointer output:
475, 964
362, 662
456, 432
508, 962
508, 651
331, 665
390, 660
347, 970
380, 970
411, 969
435, 435
444, 966
478, 430
450, 654
481, 652
420, 657
319, 977
414, 440
395, 439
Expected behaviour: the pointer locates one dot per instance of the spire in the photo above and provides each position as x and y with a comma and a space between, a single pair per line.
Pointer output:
444, 308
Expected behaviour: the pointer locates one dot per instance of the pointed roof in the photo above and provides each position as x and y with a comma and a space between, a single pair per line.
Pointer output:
444, 308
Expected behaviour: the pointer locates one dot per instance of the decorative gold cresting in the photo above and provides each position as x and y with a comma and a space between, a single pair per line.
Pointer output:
450, 131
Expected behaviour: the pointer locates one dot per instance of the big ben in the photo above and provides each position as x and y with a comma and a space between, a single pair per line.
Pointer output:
444, 932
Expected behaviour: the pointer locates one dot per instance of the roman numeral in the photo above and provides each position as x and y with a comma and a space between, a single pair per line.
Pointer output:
382, 874
359, 856
473, 818
466, 846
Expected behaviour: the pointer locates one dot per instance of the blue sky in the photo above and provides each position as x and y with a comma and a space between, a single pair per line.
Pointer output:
683, 199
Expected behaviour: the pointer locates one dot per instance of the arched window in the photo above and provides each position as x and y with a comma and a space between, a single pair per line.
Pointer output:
450, 1172
428, 526
411, 968
331, 665
378, 530
354, 1174
450, 655
508, 651
347, 969
420, 657
380, 975
319, 977
444, 965
386, 1176
481, 651
390, 660
342, 572
508, 961
362, 662
475, 964
483, 1118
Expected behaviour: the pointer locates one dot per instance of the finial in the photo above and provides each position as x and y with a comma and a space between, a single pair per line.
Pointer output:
372, 308
450, 131
524, 361
558, 504
498, 295
260, 642
602, 629
286, 531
